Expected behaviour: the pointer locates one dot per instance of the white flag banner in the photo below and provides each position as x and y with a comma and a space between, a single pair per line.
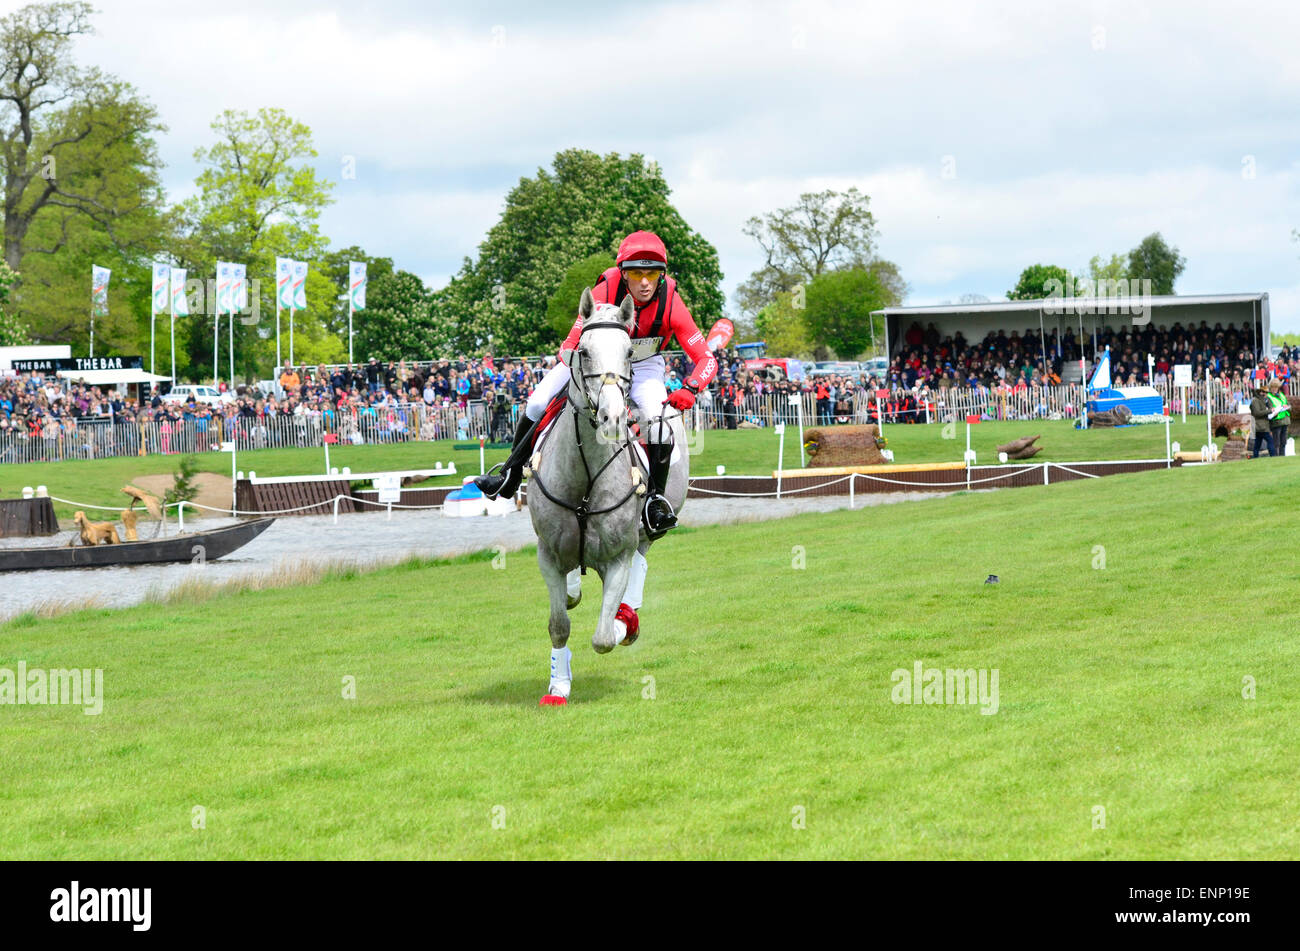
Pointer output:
239, 288
357, 284
300, 285
99, 290
225, 278
180, 305
161, 285
284, 283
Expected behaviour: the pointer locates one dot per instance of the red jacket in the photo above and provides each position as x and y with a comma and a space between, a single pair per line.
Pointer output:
611, 289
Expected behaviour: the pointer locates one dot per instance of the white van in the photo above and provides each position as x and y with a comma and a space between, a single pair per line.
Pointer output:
202, 394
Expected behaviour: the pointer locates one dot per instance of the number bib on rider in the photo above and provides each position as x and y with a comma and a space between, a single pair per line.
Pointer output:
645, 347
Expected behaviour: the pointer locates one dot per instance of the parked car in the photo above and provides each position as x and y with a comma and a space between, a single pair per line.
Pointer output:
876, 366
202, 394
835, 367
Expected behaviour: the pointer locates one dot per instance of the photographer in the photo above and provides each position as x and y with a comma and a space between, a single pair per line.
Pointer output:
501, 429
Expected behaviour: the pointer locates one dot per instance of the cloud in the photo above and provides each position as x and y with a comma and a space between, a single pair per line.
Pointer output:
1074, 128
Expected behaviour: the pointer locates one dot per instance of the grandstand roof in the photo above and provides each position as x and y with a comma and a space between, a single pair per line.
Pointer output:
1070, 305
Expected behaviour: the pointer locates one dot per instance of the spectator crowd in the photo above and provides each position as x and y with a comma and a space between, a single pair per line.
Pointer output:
471, 395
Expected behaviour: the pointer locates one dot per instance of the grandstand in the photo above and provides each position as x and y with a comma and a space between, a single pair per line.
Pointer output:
1048, 320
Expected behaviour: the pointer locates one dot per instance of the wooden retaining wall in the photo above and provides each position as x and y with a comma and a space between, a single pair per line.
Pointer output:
27, 517
943, 477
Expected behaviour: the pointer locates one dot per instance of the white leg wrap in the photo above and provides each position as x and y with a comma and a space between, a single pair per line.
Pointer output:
636, 582
561, 672
573, 582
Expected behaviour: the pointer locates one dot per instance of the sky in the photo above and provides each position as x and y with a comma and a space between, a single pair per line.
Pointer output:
989, 136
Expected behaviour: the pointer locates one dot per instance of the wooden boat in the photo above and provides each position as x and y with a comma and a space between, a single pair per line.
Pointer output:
177, 548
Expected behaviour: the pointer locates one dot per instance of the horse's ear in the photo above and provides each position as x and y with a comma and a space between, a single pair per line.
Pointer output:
586, 304
628, 310
566, 355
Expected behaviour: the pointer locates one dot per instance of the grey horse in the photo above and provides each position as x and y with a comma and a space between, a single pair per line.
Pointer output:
583, 467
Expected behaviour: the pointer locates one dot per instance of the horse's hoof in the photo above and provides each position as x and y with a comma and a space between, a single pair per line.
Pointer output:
630, 625
600, 648
573, 602
551, 700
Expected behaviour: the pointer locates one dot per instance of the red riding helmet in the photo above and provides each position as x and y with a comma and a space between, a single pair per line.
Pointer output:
642, 249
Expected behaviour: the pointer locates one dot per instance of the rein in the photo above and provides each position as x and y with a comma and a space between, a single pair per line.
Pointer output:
583, 509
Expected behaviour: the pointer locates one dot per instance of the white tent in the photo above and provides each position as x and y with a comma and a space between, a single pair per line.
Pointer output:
112, 377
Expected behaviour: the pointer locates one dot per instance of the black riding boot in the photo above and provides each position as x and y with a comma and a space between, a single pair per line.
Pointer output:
659, 514
506, 482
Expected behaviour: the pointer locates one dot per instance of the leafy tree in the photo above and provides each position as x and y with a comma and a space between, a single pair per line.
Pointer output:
1037, 281
783, 327
12, 330
183, 487
58, 119
839, 309
823, 232
397, 322
1116, 269
562, 308
1156, 261
259, 198
334, 266
584, 205
81, 180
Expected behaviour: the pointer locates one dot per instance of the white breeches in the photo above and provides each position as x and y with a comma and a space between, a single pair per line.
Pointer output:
648, 392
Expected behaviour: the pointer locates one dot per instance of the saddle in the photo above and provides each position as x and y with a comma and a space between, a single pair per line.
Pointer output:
556, 406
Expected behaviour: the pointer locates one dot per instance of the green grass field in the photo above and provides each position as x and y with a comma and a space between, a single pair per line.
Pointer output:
1121, 687
743, 452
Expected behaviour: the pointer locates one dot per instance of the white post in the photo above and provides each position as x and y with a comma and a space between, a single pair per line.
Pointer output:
1169, 459
389, 517
852, 477
780, 457
234, 507
180, 515
336, 507
231, 348
1083, 381
800, 401
291, 360
1184, 403
326, 444
1209, 430
173, 347
481, 464
1045, 482
216, 344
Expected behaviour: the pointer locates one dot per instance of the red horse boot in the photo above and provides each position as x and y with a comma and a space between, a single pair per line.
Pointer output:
631, 624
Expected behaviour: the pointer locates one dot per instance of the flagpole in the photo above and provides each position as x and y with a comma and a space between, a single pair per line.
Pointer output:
349, 321
231, 349
291, 310
277, 327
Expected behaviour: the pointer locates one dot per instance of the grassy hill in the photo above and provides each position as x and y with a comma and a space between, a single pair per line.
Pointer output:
1131, 614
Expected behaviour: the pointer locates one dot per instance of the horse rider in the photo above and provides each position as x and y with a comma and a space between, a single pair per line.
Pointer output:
661, 315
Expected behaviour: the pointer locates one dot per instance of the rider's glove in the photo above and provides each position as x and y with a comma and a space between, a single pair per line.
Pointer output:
682, 399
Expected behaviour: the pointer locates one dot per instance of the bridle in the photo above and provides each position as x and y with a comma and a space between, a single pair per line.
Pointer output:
583, 510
